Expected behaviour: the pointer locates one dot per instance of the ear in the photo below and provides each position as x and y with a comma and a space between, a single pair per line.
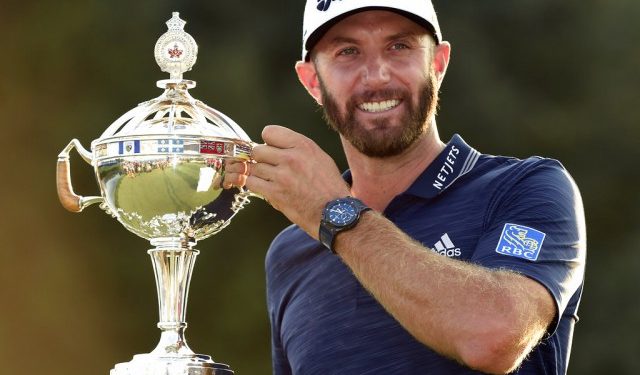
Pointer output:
442, 53
309, 78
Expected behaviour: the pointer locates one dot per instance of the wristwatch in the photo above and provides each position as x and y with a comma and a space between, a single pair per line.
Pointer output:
339, 215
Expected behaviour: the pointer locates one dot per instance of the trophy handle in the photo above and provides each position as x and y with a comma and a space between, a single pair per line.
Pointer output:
70, 200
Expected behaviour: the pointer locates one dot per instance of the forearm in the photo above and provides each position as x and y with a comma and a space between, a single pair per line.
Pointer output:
461, 310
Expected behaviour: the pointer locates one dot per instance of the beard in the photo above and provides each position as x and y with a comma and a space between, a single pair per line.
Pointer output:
384, 140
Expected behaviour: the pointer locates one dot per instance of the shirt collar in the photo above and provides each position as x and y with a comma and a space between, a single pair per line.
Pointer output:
456, 160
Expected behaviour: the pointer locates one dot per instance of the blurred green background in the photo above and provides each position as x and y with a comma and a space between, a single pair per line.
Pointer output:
552, 78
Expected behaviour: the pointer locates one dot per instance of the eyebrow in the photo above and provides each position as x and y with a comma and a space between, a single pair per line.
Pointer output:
342, 40
346, 40
402, 35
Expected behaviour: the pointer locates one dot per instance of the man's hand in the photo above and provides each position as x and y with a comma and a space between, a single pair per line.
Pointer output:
293, 174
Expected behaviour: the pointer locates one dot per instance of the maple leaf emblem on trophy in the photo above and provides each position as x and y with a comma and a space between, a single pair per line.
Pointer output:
175, 52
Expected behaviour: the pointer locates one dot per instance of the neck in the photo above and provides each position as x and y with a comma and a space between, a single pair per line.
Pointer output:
376, 181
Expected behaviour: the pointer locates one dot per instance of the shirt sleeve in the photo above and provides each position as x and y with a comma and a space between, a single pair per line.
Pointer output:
535, 226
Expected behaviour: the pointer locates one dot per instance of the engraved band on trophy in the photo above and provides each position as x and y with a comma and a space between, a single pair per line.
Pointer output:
160, 168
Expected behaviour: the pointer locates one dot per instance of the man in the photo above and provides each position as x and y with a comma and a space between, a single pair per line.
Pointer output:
425, 257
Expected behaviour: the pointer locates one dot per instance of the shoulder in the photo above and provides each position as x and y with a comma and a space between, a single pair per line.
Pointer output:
539, 168
541, 177
287, 237
533, 189
286, 244
506, 167
537, 193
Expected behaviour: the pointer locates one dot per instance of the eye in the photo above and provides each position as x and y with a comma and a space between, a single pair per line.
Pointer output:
399, 46
348, 51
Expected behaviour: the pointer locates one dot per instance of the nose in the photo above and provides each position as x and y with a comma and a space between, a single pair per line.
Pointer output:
375, 71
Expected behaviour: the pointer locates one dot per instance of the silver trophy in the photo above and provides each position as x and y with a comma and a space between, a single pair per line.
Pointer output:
160, 169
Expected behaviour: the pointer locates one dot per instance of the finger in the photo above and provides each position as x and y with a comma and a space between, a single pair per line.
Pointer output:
263, 171
267, 154
235, 166
280, 137
259, 186
237, 172
234, 180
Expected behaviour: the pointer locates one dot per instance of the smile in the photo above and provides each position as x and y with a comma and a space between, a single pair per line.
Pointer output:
382, 106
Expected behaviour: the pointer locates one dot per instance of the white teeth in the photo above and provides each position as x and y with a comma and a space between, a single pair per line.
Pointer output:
379, 106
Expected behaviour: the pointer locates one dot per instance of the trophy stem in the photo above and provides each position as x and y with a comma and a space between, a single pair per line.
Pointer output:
173, 268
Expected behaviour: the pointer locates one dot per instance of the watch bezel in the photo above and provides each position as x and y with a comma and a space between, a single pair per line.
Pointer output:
329, 228
352, 213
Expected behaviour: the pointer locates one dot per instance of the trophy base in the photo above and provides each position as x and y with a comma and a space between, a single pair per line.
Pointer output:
151, 364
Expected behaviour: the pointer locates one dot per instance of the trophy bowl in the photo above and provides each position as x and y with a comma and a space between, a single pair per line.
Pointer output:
160, 168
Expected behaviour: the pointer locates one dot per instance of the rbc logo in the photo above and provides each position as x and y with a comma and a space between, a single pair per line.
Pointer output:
520, 241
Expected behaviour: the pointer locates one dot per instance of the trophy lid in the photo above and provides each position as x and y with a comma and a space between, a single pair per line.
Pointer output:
174, 113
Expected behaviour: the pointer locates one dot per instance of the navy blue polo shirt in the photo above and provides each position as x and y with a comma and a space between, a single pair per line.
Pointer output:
494, 211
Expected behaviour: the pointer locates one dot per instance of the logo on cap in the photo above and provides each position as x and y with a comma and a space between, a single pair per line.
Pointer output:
323, 5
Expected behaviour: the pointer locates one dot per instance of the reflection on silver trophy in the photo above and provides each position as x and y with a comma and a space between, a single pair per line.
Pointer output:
160, 169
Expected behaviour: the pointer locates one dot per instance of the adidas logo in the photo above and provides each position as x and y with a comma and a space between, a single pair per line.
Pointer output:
446, 247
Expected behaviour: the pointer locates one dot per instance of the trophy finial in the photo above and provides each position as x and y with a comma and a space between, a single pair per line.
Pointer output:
176, 51
176, 23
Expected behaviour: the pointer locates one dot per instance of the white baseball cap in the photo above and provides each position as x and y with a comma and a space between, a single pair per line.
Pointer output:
320, 15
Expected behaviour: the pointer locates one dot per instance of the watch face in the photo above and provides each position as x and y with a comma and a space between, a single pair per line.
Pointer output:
342, 213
